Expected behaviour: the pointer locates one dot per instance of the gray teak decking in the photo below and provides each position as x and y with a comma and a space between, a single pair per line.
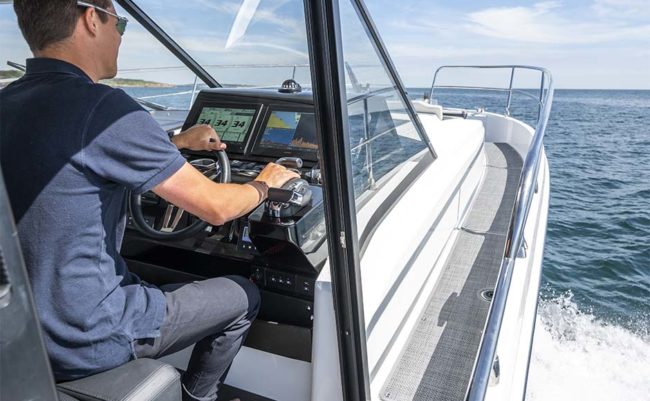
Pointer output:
436, 363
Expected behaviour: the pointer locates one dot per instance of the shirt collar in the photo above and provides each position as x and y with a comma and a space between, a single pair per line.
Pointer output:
40, 65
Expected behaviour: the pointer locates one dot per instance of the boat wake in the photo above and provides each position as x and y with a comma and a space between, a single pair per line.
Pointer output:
579, 357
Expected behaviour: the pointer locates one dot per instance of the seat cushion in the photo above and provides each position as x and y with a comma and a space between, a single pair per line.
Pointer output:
65, 397
141, 380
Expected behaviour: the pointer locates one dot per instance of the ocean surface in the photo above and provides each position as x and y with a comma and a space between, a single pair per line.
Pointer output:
592, 339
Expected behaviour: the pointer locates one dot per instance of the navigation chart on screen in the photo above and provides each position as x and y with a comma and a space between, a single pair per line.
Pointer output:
231, 124
284, 130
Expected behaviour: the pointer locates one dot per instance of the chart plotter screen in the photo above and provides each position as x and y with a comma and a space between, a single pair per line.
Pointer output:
231, 124
290, 129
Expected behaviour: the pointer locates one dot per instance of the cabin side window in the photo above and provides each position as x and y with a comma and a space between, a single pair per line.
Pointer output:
383, 138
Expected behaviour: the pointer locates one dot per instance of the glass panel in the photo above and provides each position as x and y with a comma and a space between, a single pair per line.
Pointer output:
240, 43
382, 135
149, 72
146, 69
14, 48
385, 146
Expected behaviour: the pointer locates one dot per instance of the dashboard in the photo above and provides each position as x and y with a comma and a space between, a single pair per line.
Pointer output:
283, 255
259, 124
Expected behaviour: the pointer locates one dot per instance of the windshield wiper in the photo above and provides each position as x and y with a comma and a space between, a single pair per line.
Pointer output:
17, 66
151, 105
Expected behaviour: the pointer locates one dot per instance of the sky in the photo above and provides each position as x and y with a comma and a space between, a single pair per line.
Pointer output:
590, 44
585, 43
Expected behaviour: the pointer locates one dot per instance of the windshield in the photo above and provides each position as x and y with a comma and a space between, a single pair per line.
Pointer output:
256, 43
383, 137
13, 48
146, 69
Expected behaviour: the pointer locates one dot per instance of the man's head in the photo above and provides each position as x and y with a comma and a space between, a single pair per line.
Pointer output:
78, 32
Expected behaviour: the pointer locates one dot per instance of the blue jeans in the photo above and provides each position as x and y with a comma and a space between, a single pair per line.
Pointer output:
216, 314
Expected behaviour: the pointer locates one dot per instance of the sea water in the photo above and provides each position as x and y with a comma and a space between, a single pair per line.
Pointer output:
592, 338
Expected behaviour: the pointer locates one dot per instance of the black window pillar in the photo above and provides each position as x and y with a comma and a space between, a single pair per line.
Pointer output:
328, 83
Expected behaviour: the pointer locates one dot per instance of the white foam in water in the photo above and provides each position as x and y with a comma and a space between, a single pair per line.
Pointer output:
577, 357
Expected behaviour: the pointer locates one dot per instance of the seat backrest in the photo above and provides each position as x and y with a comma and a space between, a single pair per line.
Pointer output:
25, 371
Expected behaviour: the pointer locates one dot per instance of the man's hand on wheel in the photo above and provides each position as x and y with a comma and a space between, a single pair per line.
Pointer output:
199, 137
276, 175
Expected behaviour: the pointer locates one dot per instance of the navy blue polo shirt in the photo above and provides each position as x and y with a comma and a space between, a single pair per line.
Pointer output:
70, 149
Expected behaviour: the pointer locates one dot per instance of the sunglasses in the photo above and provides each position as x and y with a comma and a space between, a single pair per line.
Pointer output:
121, 21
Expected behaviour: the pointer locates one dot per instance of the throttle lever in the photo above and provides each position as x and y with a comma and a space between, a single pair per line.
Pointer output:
290, 162
286, 201
282, 195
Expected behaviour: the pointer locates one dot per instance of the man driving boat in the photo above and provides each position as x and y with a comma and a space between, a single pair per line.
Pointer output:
70, 150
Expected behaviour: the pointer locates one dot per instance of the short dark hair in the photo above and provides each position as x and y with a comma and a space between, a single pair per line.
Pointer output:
45, 22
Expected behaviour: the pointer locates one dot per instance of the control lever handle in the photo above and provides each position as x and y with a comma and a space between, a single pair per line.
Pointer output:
285, 201
280, 195
290, 162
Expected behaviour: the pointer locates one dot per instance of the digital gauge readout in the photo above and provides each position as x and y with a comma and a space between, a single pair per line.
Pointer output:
231, 124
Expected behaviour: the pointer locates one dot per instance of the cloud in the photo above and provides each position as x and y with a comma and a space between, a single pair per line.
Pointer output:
546, 23
586, 44
440, 51
636, 10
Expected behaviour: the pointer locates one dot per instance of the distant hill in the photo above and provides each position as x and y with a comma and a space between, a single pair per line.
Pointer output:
8, 74
125, 82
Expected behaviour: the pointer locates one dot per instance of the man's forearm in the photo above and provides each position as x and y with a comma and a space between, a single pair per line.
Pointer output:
212, 202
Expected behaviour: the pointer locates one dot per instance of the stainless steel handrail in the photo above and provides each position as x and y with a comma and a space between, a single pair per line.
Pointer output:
525, 193
509, 89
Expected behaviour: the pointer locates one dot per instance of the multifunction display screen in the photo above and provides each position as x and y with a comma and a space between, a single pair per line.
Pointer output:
231, 124
290, 129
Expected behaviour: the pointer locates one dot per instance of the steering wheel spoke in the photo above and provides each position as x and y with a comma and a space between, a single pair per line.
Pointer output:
169, 224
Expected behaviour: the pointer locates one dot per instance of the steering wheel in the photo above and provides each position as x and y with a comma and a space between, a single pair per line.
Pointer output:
218, 171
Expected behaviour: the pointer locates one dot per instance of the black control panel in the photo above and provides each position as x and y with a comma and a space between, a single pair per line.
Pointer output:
289, 283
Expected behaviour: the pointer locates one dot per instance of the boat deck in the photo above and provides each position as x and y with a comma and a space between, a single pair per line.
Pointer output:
437, 362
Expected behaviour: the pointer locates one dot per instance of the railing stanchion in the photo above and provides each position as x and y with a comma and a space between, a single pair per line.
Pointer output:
193, 92
512, 78
541, 96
